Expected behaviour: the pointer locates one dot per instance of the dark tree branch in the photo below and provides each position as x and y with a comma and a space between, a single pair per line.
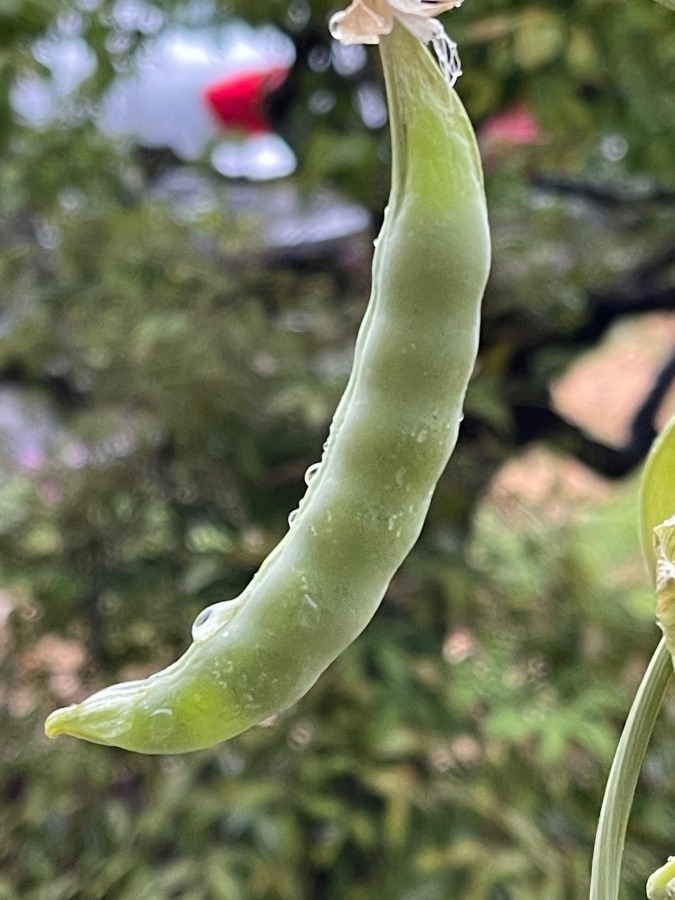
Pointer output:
536, 422
62, 390
603, 194
605, 309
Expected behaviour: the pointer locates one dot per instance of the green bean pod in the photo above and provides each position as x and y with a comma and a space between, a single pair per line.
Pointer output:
390, 439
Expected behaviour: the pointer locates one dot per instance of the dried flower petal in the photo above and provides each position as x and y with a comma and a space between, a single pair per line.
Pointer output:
364, 21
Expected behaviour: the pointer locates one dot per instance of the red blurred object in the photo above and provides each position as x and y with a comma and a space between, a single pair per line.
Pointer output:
238, 100
515, 126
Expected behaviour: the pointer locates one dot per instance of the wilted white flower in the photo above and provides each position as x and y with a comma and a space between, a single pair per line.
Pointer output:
364, 21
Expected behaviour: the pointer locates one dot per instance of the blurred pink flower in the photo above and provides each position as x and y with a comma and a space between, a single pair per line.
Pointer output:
515, 126
31, 457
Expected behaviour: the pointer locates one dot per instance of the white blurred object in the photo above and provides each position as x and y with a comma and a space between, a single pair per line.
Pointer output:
28, 430
258, 158
38, 99
187, 90
161, 104
285, 222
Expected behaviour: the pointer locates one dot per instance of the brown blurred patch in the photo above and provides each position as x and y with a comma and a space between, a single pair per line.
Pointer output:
557, 485
601, 393
59, 659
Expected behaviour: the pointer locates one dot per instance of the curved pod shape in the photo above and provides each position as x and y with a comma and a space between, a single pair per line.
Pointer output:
390, 439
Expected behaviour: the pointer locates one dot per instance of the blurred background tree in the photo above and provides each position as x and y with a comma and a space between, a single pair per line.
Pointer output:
166, 378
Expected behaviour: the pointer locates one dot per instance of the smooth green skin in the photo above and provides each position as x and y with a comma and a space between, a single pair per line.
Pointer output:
657, 492
657, 505
661, 885
391, 438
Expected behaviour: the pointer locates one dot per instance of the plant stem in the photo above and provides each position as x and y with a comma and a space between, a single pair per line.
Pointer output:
623, 776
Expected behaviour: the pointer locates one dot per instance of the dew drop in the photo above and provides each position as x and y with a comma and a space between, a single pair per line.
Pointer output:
161, 723
311, 472
422, 436
292, 517
117, 726
214, 617
200, 626
309, 612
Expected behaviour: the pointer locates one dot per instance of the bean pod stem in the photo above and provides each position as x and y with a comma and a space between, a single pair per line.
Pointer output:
389, 441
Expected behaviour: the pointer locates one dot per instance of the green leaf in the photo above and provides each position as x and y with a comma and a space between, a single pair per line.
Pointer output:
657, 492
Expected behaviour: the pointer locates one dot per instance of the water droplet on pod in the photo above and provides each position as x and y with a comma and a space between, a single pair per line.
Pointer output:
161, 723
422, 436
311, 472
214, 617
309, 612
117, 726
292, 517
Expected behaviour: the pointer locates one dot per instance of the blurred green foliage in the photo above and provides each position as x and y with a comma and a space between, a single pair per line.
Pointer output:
179, 384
